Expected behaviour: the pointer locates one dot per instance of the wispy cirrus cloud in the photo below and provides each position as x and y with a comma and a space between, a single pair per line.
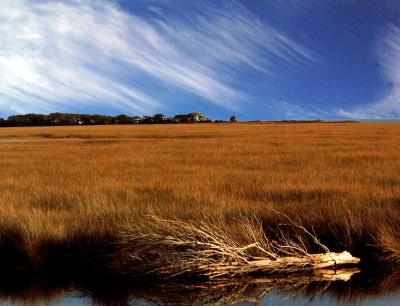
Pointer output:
60, 55
298, 111
388, 55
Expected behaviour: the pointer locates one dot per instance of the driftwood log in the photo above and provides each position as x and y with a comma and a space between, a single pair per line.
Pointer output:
173, 248
316, 261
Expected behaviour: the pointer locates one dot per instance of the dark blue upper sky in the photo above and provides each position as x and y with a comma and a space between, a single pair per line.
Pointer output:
261, 59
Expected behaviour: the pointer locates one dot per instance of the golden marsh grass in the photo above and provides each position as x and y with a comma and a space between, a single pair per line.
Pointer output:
76, 187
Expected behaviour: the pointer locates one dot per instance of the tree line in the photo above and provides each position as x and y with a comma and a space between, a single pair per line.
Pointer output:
55, 119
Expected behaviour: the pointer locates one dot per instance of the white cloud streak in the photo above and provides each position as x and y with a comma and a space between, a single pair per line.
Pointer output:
298, 112
60, 55
388, 54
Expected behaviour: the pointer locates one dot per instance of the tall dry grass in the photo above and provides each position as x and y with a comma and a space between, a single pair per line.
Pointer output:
70, 190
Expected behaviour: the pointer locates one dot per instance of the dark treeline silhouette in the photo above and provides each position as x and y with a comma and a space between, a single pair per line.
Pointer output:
85, 119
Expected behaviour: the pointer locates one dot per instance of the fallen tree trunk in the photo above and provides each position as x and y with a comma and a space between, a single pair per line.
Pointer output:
317, 264
172, 248
316, 261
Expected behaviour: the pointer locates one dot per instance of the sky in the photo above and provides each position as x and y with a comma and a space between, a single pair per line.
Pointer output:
256, 59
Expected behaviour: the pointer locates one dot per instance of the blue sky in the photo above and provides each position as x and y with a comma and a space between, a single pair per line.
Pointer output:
266, 59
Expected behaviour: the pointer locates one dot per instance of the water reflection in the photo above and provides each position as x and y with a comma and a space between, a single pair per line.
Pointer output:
351, 287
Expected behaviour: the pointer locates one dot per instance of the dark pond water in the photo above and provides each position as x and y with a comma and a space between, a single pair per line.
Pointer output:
355, 288
273, 298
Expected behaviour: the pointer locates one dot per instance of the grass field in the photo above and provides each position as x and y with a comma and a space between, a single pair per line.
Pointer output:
70, 190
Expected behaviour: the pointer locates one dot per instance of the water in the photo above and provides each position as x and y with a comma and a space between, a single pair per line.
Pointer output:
363, 288
76, 299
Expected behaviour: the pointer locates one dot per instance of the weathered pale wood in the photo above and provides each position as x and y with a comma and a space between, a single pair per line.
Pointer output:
312, 261
178, 247
334, 260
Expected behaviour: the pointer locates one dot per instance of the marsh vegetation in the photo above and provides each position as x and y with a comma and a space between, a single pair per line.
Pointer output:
68, 194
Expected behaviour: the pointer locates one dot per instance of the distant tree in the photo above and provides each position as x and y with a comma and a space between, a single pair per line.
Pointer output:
87, 119
159, 118
28, 120
180, 119
122, 119
233, 119
148, 120
103, 120
64, 119
136, 120
38, 119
